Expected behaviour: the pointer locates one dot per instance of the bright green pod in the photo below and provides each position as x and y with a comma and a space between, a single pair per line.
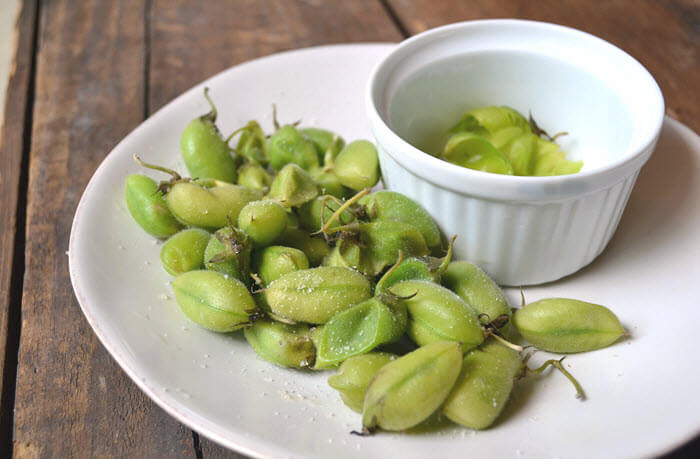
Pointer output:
328, 183
473, 151
253, 175
252, 143
566, 326
357, 165
406, 391
274, 261
282, 344
213, 300
475, 287
313, 214
292, 187
409, 269
288, 146
379, 244
206, 153
263, 221
184, 251
327, 144
209, 206
437, 314
484, 385
354, 376
314, 247
359, 330
389, 205
228, 252
315, 295
147, 206
551, 160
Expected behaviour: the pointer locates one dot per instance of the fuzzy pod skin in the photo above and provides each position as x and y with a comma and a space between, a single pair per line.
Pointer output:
147, 206
437, 314
484, 385
288, 146
406, 391
354, 376
475, 287
359, 330
263, 221
184, 251
213, 300
389, 205
323, 141
282, 344
357, 165
567, 326
253, 175
315, 295
292, 187
208, 206
314, 247
205, 153
228, 252
274, 261
379, 245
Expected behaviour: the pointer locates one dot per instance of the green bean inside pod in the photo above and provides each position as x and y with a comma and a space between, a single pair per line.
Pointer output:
147, 206
437, 314
206, 153
354, 375
315, 295
282, 344
406, 391
214, 300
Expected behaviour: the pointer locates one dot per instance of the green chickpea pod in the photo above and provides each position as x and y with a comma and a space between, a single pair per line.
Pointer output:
263, 221
206, 153
184, 251
147, 206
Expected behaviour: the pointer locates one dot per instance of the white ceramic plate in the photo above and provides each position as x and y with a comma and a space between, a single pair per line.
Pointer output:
642, 392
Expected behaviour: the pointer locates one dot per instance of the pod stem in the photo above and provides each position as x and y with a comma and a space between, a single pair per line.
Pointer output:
557, 364
336, 215
155, 167
328, 159
503, 341
448, 256
213, 113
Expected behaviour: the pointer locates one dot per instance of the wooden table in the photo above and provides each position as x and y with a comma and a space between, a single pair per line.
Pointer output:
86, 73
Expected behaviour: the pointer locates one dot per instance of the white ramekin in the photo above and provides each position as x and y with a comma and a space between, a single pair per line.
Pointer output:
521, 230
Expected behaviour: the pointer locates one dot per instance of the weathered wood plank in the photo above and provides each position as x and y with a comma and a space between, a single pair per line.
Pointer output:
663, 36
72, 399
11, 152
191, 41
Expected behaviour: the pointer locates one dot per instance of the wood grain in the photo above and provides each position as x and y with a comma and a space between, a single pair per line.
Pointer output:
11, 152
663, 36
191, 41
72, 400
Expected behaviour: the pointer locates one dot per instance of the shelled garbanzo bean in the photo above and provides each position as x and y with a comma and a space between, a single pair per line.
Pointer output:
281, 236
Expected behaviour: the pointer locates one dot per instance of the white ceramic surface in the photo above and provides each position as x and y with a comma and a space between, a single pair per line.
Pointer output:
521, 230
640, 391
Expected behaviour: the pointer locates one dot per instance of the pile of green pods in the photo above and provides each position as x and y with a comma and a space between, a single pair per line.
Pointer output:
281, 237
